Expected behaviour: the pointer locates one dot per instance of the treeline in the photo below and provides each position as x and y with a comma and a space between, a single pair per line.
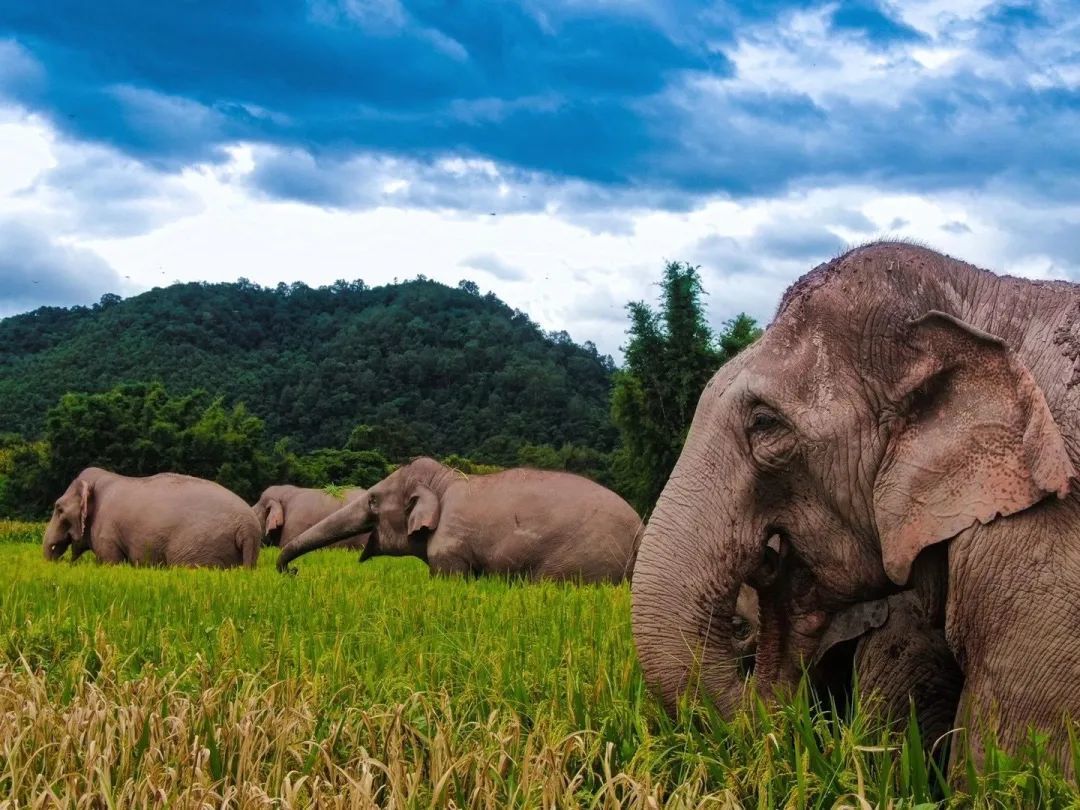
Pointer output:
624, 429
142, 429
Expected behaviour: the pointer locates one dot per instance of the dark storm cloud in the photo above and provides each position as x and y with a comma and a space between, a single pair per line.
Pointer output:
35, 271
636, 102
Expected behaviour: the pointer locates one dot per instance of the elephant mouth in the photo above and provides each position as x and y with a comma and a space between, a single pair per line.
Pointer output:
55, 551
371, 547
776, 542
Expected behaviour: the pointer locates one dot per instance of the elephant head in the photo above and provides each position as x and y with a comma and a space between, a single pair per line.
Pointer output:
270, 512
69, 525
865, 425
399, 512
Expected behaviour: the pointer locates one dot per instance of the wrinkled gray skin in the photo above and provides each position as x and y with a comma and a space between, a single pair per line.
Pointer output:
285, 512
164, 519
900, 399
534, 523
908, 661
901, 658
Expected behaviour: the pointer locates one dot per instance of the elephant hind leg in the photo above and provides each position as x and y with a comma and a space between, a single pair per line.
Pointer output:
249, 542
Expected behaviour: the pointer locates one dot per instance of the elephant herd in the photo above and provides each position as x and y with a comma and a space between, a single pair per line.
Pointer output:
518, 522
881, 486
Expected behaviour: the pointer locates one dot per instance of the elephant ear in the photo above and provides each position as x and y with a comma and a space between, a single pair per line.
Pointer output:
86, 492
423, 509
975, 440
852, 622
275, 516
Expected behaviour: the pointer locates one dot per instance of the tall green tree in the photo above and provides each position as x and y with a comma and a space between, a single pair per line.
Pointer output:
141, 429
670, 356
739, 332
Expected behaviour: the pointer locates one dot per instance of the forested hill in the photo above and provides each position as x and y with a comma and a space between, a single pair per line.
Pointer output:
454, 371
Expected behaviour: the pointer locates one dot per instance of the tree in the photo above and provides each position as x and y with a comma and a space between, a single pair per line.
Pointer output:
670, 356
362, 468
141, 429
739, 332
23, 493
394, 438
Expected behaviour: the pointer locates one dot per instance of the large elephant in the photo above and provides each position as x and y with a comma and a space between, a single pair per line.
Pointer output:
527, 522
900, 399
164, 519
285, 512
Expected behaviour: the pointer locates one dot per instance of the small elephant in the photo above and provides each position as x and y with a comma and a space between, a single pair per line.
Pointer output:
900, 400
285, 512
534, 523
164, 519
896, 649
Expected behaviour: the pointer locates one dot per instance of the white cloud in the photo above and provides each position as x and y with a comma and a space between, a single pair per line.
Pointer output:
28, 144
552, 261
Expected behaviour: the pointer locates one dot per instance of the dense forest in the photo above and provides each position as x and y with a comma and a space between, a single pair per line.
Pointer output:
250, 386
455, 371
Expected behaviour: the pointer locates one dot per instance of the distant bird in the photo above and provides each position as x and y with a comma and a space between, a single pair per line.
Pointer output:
491, 214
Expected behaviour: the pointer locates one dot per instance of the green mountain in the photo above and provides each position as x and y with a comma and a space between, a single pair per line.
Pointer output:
441, 368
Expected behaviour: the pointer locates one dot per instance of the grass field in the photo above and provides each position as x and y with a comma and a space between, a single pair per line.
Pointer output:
375, 685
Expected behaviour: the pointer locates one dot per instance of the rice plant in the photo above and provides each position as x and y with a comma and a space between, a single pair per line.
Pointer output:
376, 685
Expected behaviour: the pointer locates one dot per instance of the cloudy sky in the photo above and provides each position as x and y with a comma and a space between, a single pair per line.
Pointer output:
557, 152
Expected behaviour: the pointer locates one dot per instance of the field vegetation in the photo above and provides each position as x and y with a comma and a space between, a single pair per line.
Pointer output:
375, 685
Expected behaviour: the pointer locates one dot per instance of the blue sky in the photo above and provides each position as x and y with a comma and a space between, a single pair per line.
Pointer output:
555, 152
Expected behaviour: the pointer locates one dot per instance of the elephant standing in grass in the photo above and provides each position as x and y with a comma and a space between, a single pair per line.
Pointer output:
164, 519
285, 512
901, 401
534, 523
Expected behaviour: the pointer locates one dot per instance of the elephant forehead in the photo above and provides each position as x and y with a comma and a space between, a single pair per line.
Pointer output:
812, 368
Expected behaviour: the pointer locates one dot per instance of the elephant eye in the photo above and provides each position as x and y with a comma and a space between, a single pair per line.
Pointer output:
373, 502
771, 438
762, 420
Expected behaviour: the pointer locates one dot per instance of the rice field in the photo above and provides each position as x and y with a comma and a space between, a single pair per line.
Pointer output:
376, 685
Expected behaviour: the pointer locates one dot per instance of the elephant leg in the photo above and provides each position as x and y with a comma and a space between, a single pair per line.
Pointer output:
908, 661
250, 549
109, 551
448, 564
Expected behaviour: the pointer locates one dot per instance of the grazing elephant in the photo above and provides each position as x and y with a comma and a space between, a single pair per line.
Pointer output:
285, 512
900, 399
896, 647
164, 519
535, 523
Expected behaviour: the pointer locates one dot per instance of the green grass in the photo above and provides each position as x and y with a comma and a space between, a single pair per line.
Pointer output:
377, 685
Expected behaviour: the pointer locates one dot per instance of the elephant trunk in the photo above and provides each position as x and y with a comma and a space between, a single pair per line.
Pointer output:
354, 518
686, 583
55, 541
